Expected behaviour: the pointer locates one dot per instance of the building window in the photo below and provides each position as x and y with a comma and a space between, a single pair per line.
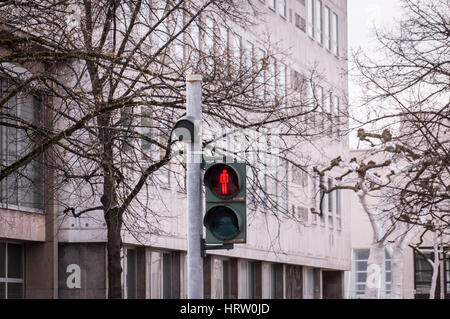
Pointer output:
327, 30
300, 22
387, 273
361, 257
310, 102
299, 176
236, 49
272, 4
318, 10
320, 106
227, 281
309, 283
272, 89
336, 107
166, 275
359, 274
338, 209
282, 8
161, 35
196, 42
222, 40
249, 56
209, 36
319, 99
330, 204
146, 132
179, 41
11, 271
423, 272
218, 278
261, 74
447, 274
322, 207
310, 18
335, 34
272, 283
21, 189
247, 279
283, 83
155, 275
131, 275
314, 196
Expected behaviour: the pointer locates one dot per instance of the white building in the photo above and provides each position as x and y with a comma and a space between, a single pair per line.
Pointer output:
281, 259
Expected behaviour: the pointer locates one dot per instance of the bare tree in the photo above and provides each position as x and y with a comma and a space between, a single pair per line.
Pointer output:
109, 78
405, 103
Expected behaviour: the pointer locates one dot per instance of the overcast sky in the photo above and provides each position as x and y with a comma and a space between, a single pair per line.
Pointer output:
363, 16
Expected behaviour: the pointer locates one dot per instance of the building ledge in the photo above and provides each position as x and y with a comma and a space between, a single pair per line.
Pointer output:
19, 225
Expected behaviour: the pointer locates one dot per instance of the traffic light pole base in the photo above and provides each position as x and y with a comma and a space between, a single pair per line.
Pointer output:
204, 247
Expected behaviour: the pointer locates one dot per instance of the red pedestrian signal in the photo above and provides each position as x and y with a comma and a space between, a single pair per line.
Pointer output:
222, 180
225, 203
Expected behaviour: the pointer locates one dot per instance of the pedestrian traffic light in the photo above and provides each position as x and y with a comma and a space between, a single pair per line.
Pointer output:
225, 203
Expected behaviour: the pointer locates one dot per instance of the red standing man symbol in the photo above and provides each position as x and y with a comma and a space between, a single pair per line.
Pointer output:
224, 179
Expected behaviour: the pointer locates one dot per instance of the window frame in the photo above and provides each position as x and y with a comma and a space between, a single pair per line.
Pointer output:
446, 264
330, 206
327, 28
323, 218
126, 273
273, 5
318, 21
310, 21
7, 280
35, 166
357, 283
338, 209
282, 8
335, 34
428, 252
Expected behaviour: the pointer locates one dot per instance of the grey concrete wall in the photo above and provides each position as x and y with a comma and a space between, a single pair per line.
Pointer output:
39, 271
22, 225
333, 284
91, 258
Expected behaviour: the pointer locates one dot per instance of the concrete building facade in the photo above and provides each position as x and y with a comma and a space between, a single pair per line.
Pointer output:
66, 257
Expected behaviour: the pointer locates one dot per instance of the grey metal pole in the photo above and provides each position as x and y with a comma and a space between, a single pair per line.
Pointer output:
194, 190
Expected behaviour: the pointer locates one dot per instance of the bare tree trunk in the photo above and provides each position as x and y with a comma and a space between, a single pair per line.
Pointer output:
397, 269
374, 267
113, 216
435, 265
114, 245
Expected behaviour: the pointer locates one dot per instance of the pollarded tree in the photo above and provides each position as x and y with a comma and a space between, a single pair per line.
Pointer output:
403, 197
406, 96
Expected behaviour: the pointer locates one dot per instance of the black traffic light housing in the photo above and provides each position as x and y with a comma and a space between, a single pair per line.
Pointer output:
225, 203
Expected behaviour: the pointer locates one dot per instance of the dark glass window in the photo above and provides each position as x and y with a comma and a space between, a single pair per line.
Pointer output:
167, 276
131, 274
22, 188
447, 275
2, 260
11, 271
423, 272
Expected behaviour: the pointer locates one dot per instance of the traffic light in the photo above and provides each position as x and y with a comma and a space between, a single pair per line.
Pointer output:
225, 202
